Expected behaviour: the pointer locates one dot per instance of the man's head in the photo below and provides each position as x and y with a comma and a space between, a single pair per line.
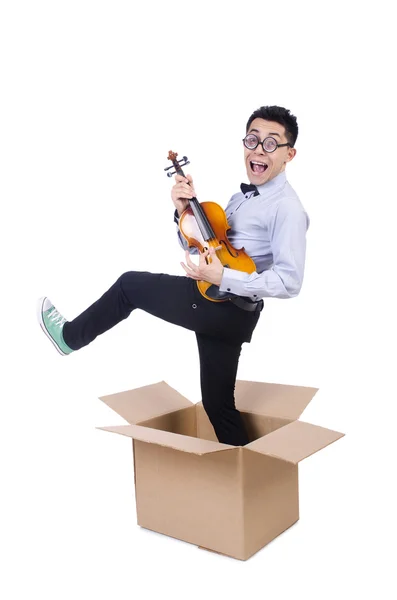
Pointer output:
275, 122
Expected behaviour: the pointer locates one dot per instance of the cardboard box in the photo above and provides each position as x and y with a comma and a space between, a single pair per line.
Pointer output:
230, 499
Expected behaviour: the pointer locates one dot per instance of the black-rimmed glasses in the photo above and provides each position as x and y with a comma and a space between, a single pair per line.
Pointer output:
269, 144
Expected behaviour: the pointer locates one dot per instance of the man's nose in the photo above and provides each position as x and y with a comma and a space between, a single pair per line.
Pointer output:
259, 149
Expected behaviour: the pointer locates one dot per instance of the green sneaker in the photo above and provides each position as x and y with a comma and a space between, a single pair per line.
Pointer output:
52, 322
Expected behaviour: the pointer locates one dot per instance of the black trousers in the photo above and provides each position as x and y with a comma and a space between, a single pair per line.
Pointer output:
220, 327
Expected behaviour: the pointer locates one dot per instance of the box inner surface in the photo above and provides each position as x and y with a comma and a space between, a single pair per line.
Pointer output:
193, 421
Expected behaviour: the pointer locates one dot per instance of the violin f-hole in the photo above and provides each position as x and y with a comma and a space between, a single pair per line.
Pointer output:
228, 249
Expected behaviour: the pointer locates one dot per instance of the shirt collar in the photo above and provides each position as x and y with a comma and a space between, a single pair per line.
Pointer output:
274, 183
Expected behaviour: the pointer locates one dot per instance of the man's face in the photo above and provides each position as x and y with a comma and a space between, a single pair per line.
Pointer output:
263, 166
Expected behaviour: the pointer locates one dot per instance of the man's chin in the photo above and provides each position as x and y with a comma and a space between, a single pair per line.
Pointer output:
258, 179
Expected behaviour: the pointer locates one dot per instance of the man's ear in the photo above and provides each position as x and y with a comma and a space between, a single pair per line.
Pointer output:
291, 154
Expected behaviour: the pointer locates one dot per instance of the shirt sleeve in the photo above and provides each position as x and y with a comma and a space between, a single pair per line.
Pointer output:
287, 232
182, 242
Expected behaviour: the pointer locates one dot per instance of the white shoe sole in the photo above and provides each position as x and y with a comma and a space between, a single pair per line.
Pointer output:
40, 304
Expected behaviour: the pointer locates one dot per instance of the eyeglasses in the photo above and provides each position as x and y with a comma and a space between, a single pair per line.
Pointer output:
269, 144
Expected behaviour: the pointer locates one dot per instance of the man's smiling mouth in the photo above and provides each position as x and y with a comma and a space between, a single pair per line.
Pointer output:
258, 167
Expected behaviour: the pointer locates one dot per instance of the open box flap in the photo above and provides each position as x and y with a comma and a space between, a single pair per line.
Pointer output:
294, 441
272, 399
176, 441
143, 403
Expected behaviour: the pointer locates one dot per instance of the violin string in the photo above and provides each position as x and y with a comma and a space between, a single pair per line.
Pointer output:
212, 243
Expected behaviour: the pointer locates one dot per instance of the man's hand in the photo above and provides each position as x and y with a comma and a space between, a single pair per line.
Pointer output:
181, 192
212, 272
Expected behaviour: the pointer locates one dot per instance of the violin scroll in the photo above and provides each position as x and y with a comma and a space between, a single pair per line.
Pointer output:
177, 164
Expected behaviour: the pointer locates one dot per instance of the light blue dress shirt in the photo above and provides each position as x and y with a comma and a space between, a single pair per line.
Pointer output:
272, 229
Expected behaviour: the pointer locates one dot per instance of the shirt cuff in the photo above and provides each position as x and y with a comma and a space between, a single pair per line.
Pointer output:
234, 281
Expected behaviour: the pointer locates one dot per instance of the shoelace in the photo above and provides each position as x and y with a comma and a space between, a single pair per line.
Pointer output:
57, 318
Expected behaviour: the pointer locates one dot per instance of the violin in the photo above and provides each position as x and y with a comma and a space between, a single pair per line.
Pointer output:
204, 225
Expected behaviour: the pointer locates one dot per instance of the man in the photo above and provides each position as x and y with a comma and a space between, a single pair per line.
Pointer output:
266, 218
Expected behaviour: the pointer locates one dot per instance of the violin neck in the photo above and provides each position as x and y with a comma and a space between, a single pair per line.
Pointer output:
203, 224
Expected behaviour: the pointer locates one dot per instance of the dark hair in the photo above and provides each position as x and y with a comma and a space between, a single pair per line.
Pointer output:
278, 114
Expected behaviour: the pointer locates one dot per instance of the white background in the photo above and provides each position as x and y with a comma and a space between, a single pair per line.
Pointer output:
94, 95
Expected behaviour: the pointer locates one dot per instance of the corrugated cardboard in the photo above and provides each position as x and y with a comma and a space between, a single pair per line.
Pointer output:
232, 500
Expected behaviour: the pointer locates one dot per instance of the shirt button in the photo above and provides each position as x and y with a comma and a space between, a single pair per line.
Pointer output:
228, 289
254, 295
194, 305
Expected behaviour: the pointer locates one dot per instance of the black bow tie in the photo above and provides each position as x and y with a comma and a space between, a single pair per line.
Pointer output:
249, 188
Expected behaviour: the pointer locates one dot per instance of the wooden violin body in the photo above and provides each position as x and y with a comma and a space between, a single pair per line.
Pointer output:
204, 225
229, 256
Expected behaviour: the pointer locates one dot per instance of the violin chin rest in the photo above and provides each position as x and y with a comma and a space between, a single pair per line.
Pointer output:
214, 293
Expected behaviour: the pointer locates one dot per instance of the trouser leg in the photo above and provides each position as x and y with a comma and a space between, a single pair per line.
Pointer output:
218, 371
165, 296
172, 298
